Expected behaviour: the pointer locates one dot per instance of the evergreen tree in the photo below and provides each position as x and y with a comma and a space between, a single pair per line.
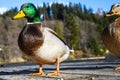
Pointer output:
58, 11
40, 10
71, 10
58, 29
11, 12
60, 14
48, 12
72, 35
54, 10
45, 11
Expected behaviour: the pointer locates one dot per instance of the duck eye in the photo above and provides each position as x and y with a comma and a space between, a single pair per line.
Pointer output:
27, 6
118, 5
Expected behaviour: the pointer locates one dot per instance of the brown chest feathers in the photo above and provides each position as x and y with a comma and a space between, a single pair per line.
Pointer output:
30, 38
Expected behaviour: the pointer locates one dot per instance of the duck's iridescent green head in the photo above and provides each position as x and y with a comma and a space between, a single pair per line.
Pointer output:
29, 11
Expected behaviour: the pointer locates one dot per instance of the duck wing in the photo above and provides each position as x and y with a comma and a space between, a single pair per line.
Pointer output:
54, 33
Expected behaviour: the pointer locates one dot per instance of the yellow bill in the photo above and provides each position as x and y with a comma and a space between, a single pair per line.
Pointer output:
112, 14
19, 15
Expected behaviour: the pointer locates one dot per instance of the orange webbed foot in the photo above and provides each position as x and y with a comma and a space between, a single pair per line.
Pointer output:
117, 68
39, 73
56, 73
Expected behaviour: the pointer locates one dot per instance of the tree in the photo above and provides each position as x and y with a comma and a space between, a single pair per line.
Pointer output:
45, 11
48, 12
58, 28
11, 12
58, 11
54, 10
72, 35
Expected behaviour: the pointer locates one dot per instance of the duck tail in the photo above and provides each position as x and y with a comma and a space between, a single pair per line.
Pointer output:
71, 51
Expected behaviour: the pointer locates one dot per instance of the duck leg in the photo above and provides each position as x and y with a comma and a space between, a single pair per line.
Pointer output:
57, 72
39, 73
117, 68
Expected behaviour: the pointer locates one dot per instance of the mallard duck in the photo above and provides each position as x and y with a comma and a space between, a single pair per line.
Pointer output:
41, 44
111, 34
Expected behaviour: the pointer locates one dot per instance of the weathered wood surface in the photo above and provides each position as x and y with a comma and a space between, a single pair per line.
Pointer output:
91, 69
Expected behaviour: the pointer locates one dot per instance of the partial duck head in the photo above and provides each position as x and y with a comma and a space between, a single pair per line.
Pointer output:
115, 10
29, 11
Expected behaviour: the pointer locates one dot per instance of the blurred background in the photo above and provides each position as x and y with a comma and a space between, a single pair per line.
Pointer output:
78, 22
